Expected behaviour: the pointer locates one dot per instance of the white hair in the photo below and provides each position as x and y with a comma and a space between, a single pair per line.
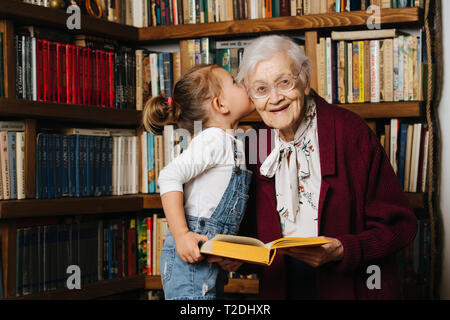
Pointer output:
264, 48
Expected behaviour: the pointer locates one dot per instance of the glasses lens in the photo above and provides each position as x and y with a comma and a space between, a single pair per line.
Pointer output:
260, 91
285, 84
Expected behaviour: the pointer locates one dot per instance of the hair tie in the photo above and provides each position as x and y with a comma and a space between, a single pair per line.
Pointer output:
169, 101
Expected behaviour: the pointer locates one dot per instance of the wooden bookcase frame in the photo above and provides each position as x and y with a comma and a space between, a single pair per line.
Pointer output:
32, 111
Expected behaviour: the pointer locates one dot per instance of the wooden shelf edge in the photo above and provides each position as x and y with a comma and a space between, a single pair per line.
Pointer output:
99, 289
151, 201
298, 23
242, 286
68, 112
30, 208
26, 13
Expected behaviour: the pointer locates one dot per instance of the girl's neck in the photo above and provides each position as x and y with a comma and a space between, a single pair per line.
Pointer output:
225, 126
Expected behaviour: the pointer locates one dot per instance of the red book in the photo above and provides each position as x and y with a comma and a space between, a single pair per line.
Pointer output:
59, 72
92, 73
102, 79
45, 70
85, 82
73, 83
69, 72
98, 77
111, 79
39, 70
131, 247
53, 71
285, 8
76, 75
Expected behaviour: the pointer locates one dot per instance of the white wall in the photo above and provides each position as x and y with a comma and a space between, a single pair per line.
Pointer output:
444, 119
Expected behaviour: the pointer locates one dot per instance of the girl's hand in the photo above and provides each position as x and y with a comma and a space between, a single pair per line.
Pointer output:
226, 264
187, 246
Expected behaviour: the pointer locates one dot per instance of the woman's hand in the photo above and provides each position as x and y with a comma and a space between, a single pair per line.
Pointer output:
317, 256
226, 264
187, 246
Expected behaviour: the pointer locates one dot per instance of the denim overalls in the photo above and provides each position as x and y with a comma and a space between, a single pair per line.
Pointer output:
203, 280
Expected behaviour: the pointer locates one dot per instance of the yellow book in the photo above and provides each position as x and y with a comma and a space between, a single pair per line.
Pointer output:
361, 71
253, 250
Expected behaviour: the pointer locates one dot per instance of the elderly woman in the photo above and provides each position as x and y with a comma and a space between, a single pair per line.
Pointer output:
325, 175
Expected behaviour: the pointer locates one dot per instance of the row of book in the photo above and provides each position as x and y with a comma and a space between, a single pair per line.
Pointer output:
103, 248
371, 66
86, 162
12, 157
2, 78
75, 72
406, 144
146, 13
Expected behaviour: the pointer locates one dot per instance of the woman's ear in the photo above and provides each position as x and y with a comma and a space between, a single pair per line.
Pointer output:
307, 88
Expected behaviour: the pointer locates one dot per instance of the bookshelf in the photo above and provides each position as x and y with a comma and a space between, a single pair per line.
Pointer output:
18, 12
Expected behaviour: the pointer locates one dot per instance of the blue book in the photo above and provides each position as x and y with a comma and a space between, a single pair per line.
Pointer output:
110, 242
168, 71
109, 155
50, 165
90, 156
12, 165
151, 162
71, 159
77, 153
65, 166
38, 166
97, 166
402, 153
57, 177
162, 88
83, 163
44, 164
104, 142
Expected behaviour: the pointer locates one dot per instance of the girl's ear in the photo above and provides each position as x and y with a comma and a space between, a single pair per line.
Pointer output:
217, 106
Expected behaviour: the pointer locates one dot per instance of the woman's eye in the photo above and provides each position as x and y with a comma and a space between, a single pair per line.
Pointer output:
261, 89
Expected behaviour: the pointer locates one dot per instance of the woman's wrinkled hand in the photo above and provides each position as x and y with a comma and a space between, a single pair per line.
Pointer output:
317, 256
230, 265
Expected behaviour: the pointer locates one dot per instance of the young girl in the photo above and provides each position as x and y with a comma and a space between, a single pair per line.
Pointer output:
204, 190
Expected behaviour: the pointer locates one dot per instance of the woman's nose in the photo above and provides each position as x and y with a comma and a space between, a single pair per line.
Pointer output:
274, 96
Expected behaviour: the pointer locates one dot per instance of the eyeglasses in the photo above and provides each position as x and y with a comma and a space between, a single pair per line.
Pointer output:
263, 90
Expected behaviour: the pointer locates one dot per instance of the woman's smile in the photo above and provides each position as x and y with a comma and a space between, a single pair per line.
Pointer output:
280, 109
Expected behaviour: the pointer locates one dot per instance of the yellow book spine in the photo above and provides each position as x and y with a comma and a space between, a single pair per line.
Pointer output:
361, 71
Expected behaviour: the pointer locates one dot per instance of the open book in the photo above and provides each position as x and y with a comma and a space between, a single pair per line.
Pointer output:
253, 250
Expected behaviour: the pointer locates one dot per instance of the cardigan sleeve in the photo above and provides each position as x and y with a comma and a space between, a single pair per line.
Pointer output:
389, 222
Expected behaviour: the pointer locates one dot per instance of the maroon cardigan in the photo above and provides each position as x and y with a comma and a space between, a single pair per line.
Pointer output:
361, 203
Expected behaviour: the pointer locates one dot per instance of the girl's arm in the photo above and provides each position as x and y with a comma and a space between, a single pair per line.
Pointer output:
186, 242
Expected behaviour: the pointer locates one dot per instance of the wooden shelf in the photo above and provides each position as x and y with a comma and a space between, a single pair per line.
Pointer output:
406, 16
68, 112
243, 286
13, 209
94, 290
372, 110
151, 201
26, 13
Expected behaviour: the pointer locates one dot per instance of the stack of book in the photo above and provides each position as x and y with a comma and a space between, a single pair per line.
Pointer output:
83, 70
406, 145
103, 248
86, 162
12, 157
371, 66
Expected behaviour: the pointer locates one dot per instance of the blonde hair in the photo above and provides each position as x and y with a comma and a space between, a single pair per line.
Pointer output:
198, 86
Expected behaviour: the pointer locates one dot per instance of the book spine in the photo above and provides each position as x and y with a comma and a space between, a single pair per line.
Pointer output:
4, 156
149, 245
396, 70
356, 85
402, 153
341, 72
12, 164
20, 165
362, 83
58, 164
374, 71
151, 162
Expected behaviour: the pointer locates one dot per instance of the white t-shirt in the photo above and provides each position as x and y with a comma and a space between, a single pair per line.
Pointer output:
203, 171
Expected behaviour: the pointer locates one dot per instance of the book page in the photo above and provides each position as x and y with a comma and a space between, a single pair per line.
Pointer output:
238, 239
296, 242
